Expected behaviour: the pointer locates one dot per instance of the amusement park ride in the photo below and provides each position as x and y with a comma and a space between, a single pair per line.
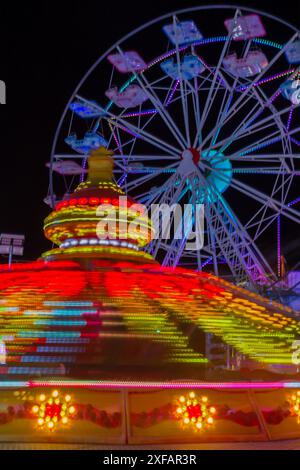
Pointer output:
224, 97
138, 340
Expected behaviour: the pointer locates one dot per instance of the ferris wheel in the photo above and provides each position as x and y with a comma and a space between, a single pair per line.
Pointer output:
200, 106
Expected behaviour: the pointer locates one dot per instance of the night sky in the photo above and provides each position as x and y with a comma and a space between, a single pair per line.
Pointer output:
46, 47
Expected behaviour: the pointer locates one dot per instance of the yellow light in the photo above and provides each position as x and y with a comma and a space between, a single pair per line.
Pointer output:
42, 397
204, 399
199, 425
50, 424
72, 409
55, 393
35, 409
182, 399
68, 398
186, 420
210, 420
212, 409
179, 410
192, 395
40, 421
64, 420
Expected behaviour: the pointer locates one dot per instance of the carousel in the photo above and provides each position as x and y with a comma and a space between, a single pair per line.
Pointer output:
100, 344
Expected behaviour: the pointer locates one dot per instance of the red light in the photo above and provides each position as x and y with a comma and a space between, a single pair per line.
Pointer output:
83, 201
53, 411
64, 203
73, 202
115, 202
94, 200
106, 200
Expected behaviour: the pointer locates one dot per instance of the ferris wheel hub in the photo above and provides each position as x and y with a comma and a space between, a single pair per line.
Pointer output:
191, 154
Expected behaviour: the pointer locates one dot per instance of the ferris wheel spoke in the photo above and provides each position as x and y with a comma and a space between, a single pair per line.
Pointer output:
282, 187
242, 100
149, 197
266, 171
244, 131
264, 158
259, 196
223, 119
124, 125
169, 197
184, 102
226, 105
146, 158
138, 182
237, 247
239, 250
223, 111
274, 204
265, 141
132, 142
212, 93
141, 134
154, 170
175, 249
141, 79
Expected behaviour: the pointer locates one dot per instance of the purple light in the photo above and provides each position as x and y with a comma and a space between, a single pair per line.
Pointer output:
279, 246
172, 93
142, 113
267, 79
288, 125
295, 141
294, 202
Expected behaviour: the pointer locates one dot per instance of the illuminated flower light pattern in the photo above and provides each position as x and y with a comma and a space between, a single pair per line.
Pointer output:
195, 412
53, 410
294, 401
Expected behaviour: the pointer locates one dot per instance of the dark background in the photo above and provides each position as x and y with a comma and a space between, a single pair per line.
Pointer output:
46, 47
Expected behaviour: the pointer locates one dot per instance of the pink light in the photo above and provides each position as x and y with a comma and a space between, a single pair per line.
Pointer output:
166, 385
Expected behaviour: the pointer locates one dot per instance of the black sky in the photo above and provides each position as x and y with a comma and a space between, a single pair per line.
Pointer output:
46, 47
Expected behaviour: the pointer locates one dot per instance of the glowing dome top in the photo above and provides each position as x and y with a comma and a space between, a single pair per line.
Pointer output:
98, 220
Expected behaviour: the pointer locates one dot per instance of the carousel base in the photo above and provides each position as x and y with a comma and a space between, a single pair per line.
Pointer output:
125, 414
